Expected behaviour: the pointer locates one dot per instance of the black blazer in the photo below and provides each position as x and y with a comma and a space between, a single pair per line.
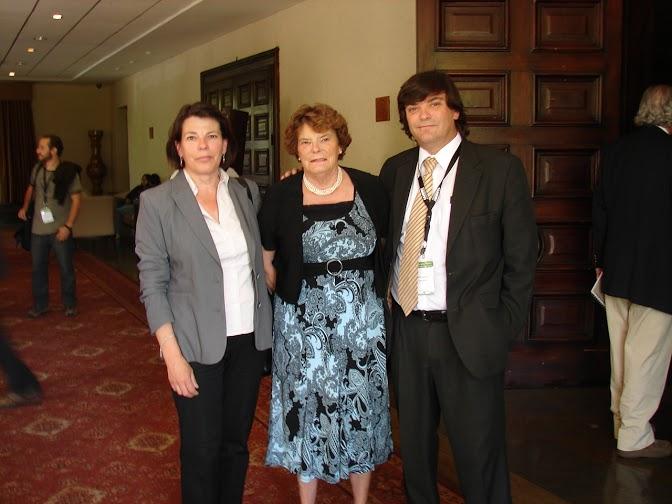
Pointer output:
281, 224
491, 254
632, 218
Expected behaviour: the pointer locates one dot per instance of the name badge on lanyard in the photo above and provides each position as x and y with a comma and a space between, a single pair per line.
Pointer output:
45, 213
425, 277
426, 266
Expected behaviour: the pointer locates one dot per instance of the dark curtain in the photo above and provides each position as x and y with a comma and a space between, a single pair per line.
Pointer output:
17, 144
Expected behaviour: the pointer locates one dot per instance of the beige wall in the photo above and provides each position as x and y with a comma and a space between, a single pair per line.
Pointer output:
70, 111
329, 52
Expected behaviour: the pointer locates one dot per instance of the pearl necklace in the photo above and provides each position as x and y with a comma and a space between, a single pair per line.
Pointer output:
327, 190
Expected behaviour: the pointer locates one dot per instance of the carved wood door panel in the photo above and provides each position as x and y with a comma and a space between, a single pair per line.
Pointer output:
541, 79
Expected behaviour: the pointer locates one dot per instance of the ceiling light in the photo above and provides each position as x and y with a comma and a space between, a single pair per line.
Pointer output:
57, 16
12, 74
31, 49
39, 38
148, 53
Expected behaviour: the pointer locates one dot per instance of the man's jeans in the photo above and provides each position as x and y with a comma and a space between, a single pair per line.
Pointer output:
40, 247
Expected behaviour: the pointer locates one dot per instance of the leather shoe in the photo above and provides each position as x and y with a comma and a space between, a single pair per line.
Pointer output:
35, 313
658, 449
14, 400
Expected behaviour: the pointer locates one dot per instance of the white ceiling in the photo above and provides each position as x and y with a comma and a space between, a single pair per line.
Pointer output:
105, 40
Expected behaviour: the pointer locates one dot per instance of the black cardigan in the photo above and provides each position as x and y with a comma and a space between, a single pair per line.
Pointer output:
281, 224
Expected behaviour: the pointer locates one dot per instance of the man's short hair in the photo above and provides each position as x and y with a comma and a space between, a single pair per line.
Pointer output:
655, 108
55, 142
423, 84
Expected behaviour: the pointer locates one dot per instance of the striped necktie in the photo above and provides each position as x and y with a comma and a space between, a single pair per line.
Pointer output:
407, 288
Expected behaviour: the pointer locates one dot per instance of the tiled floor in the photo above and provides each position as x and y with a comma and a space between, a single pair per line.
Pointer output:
560, 439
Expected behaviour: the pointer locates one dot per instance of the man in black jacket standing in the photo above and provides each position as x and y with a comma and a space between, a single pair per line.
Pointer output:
461, 248
632, 226
55, 189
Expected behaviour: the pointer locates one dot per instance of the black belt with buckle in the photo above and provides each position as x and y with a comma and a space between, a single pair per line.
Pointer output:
335, 267
431, 315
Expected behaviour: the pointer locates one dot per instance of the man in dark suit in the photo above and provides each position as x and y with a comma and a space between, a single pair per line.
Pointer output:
632, 229
460, 280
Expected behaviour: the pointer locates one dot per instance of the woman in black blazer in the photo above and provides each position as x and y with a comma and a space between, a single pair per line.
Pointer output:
321, 233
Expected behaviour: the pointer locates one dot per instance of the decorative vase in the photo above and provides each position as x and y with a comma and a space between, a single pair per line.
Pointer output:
96, 170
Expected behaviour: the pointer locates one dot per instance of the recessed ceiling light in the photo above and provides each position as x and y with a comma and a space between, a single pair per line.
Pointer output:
148, 53
31, 49
57, 16
39, 38
12, 74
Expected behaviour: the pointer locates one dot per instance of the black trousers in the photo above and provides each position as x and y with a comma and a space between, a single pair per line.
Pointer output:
215, 425
429, 380
19, 378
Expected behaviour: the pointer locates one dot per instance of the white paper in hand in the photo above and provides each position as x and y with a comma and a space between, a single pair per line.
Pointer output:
596, 291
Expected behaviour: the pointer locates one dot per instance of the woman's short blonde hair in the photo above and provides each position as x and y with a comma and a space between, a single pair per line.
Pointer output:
656, 106
321, 118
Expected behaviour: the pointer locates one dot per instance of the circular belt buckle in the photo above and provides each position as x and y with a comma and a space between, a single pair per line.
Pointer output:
334, 261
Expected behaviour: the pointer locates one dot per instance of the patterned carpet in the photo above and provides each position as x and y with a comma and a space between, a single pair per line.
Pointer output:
107, 429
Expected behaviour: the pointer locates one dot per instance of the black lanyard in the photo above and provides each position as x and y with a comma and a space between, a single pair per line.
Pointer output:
430, 202
44, 184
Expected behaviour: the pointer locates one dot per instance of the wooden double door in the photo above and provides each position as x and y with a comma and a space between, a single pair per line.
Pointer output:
541, 79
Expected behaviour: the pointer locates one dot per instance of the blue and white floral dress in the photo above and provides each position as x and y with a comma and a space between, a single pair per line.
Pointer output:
330, 406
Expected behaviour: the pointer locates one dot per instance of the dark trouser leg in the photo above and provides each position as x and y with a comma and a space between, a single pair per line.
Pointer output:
214, 425
39, 249
241, 387
19, 378
418, 407
64, 251
473, 411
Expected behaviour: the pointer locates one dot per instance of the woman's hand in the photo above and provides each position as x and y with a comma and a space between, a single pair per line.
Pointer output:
181, 377
180, 374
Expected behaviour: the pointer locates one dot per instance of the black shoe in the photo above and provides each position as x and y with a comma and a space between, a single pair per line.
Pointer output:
35, 313
71, 311
14, 400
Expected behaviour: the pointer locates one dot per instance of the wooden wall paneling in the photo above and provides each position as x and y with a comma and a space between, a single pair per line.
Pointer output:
575, 26
558, 105
568, 99
485, 97
473, 25
564, 172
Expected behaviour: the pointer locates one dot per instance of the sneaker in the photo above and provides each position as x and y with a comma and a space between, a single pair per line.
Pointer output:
70, 311
14, 400
658, 449
35, 313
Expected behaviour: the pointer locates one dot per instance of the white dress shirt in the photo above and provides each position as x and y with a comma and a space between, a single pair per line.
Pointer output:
437, 240
234, 259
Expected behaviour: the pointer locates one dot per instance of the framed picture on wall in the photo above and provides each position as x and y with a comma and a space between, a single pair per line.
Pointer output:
244, 96
227, 98
261, 162
261, 127
246, 162
261, 92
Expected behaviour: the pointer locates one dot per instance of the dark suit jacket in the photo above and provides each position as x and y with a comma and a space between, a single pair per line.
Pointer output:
281, 223
491, 255
632, 218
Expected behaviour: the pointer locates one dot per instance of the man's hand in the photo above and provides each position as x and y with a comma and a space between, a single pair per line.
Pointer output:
22, 214
62, 234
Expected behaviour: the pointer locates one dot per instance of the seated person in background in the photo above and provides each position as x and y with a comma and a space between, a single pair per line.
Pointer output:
154, 180
130, 202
